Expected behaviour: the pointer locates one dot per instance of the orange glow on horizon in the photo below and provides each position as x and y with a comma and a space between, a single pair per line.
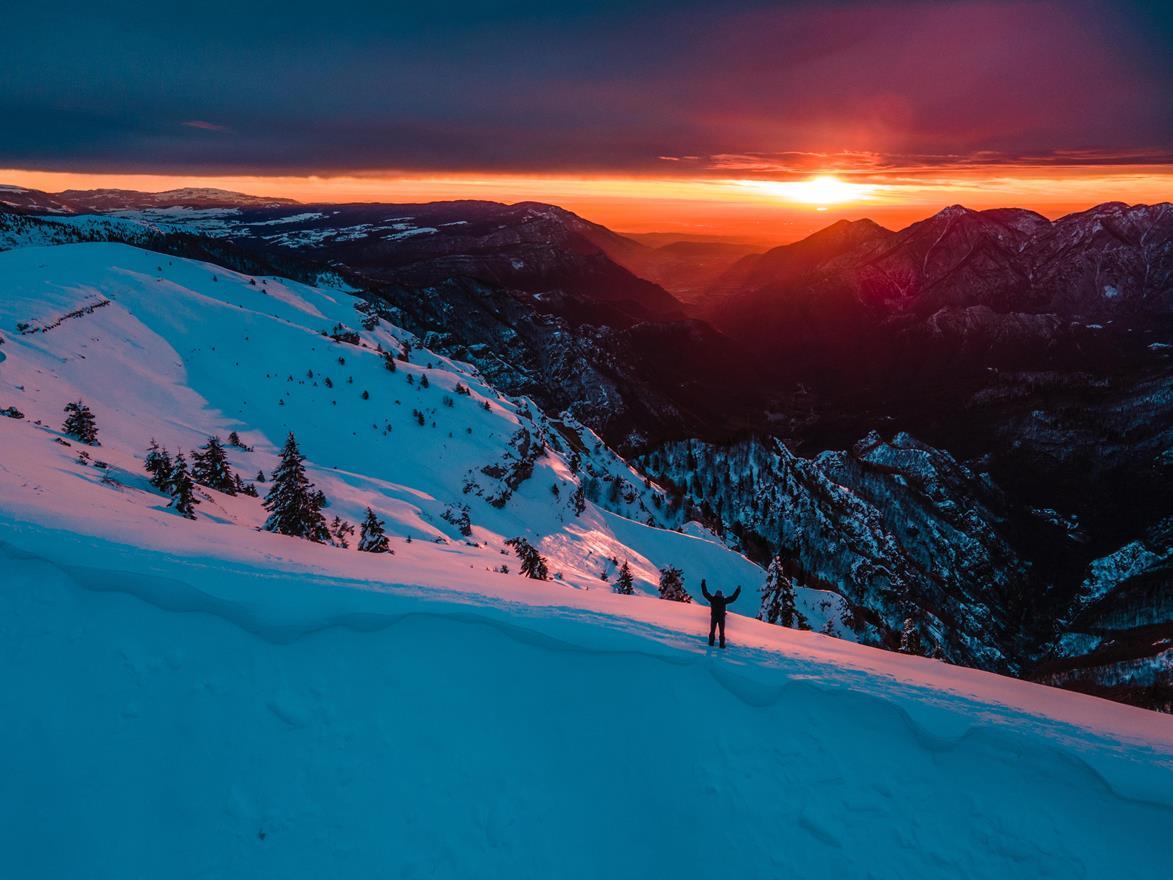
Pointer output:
760, 210
820, 191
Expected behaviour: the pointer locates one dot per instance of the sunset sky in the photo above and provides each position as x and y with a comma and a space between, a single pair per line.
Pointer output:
761, 120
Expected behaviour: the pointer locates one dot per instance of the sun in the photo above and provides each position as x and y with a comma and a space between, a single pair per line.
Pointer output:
824, 190
820, 191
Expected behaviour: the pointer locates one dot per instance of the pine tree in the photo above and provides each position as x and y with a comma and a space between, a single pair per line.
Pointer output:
533, 564
672, 585
80, 423
158, 465
295, 507
624, 582
210, 467
909, 642
778, 598
182, 488
372, 539
342, 532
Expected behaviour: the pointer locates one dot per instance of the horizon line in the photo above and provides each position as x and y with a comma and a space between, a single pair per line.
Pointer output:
710, 207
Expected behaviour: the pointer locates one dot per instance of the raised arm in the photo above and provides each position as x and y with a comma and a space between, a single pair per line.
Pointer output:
736, 593
705, 593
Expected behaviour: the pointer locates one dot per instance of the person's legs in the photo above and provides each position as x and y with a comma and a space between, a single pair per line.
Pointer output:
722, 625
712, 630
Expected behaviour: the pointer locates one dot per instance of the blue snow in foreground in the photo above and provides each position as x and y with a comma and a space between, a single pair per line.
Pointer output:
154, 729
202, 699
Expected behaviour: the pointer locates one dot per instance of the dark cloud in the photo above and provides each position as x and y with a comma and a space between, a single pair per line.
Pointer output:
876, 165
295, 87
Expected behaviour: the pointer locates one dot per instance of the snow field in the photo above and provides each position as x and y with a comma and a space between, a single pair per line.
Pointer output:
203, 699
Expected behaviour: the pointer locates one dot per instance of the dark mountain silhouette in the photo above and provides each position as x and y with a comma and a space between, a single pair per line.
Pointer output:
984, 280
786, 263
84, 200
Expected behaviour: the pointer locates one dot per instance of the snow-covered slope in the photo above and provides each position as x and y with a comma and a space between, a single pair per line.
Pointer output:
200, 698
176, 350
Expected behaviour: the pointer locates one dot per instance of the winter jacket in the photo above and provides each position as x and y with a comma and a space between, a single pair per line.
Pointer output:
717, 604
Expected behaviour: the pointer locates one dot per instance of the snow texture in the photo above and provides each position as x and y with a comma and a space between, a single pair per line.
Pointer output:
203, 699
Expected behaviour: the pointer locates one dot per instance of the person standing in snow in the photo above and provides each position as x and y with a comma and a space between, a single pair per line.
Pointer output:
717, 605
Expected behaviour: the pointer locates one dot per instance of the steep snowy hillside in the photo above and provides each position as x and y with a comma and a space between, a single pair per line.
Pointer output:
204, 698
525, 292
175, 351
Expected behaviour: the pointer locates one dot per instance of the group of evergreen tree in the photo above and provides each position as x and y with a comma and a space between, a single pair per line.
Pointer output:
342, 532
158, 464
80, 423
672, 585
171, 476
209, 467
533, 563
294, 503
778, 598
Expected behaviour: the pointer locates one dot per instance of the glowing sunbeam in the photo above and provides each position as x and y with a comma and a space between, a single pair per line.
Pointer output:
822, 190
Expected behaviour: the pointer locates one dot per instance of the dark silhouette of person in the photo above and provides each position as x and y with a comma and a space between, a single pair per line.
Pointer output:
717, 605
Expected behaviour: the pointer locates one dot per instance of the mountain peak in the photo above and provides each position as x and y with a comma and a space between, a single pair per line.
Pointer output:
953, 211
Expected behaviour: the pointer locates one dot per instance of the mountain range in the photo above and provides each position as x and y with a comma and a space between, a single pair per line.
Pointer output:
971, 417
